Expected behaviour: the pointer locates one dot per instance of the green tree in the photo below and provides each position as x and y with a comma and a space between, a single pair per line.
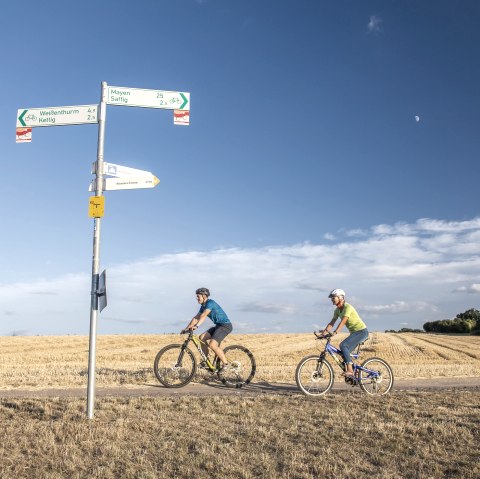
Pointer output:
467, 322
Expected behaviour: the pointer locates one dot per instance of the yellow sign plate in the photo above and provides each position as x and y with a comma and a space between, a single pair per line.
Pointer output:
96, 206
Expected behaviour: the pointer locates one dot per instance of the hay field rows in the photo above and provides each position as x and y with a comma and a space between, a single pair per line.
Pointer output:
61, 361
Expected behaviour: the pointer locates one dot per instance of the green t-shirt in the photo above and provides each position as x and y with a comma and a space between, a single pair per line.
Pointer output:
354, 321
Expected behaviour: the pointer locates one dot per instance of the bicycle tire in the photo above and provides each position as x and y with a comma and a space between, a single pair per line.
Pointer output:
377, 384
168, 370
312, 381
242, 366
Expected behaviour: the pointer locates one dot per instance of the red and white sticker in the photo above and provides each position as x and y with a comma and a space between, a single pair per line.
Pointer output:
24, 135
181, 117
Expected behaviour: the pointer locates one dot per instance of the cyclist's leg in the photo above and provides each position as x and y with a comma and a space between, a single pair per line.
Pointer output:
220, 333
349, 344
205, 337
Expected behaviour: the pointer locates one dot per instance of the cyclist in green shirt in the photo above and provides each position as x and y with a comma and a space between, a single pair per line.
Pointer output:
349, 317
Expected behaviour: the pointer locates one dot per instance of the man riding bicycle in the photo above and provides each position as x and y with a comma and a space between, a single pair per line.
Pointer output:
357, 328
217, 333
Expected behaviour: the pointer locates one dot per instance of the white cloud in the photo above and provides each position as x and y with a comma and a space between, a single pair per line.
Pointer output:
356, 233
399, 307
374, 24
392, 274
472, 289
270, 308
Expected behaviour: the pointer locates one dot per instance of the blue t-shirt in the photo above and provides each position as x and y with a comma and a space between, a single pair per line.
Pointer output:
217, 314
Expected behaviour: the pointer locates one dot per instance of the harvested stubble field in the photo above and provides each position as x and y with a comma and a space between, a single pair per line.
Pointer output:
38, 362
418, 435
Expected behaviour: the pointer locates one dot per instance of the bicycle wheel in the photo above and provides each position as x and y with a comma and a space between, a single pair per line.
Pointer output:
314, 377
174, 366
375, 377
241, 368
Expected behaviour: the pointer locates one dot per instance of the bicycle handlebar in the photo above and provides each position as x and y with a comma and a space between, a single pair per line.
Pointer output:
189, 331
323, 336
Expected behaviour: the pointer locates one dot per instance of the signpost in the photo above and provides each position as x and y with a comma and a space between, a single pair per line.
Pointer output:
128, 183
111, 169
131, 183
169, 100
123, 176
57, 116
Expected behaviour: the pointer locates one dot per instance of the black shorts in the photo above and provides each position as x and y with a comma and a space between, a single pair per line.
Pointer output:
220, 331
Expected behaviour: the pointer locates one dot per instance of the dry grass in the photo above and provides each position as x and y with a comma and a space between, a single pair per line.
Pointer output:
405, 435
39, 362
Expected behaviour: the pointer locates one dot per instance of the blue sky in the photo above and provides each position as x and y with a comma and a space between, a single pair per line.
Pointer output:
304, 167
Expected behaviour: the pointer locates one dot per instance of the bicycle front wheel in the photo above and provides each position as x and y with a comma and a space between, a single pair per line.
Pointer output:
375, 377
314, 377
174, 366
241, 366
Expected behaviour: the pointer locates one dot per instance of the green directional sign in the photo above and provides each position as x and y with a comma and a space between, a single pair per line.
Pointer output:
168, 100
57, 116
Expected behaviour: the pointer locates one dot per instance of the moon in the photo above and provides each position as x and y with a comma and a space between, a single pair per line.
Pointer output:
417, 118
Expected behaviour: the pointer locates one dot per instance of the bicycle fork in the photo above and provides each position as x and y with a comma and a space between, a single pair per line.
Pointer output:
180, 356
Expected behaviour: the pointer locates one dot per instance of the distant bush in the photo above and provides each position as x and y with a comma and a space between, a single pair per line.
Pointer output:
467, 322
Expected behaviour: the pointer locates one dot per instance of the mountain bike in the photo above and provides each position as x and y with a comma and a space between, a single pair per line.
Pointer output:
315, 375
175, 365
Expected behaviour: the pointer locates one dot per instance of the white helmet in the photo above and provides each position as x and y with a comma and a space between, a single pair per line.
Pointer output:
337, 292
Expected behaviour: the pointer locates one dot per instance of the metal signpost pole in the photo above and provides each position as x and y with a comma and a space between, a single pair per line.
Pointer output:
123, 177
96, 258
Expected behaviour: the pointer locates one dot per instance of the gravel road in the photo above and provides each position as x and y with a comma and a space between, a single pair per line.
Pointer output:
256, 388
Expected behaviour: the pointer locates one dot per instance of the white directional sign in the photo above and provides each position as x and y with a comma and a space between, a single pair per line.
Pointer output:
57, 116
169, 100
128, 183
119, 170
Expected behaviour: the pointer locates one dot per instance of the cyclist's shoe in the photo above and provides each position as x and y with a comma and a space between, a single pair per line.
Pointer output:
350, 379
223, 370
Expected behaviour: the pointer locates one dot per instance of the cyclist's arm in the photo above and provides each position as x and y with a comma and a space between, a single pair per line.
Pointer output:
198, 319
329, 328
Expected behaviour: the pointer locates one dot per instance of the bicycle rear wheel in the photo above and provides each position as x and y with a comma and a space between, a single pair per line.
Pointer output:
241, 368
313, 376
375, 377
174, 366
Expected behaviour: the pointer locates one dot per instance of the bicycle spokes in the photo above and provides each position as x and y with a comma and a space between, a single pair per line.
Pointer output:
241, 366
314, 377
174, 366
376, 376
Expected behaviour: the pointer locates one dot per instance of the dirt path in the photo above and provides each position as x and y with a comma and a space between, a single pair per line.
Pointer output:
257, 388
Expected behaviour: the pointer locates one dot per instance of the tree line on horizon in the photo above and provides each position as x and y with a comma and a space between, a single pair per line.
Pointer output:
463, 323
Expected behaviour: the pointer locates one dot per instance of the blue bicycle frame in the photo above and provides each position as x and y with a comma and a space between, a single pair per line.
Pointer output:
335, 353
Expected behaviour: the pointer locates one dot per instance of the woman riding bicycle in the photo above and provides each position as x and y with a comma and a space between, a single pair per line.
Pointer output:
217, 333
357, 328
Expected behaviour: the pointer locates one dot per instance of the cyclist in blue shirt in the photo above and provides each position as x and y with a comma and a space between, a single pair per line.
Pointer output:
217, 333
